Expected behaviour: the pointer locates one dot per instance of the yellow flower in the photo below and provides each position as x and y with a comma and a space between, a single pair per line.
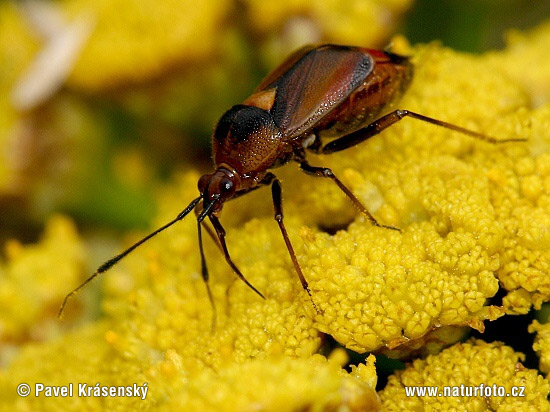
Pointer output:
470, 364
137, 40
463, 206
279, 384
527, 62
34, 278
80, 357
471, 213
542, 344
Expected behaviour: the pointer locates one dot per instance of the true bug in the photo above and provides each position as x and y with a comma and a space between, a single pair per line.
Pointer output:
318, 92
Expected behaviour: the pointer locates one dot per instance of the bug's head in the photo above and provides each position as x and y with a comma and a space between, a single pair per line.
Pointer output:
217, 187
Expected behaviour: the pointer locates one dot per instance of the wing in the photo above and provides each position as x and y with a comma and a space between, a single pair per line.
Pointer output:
312, 82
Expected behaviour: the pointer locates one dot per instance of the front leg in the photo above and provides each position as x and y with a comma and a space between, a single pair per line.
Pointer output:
268, 178
220, 231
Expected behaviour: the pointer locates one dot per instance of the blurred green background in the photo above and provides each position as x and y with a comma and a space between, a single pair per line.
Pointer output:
470, 25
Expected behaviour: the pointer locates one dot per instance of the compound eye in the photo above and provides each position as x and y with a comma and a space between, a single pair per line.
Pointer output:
226, 186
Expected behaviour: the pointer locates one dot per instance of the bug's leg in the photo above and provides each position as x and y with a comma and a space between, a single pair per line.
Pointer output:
266, 181
386, 121
220, 231
326, 172
204, 271
212, 235
276, 192
209, 230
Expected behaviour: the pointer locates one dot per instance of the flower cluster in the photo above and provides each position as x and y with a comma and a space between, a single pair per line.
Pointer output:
474, 217
471, 364
34, 278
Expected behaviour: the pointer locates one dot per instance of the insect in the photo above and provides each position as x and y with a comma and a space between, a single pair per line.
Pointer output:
318, 92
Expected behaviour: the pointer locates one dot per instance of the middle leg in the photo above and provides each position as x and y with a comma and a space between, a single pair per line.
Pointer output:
276, 193
326, 172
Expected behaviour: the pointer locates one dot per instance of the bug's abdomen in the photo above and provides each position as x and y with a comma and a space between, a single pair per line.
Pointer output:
377, 95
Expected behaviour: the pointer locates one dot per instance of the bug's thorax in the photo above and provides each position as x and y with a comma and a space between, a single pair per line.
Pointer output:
248, 138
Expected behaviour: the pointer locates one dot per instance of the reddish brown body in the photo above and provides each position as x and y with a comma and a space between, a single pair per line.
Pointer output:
323, 91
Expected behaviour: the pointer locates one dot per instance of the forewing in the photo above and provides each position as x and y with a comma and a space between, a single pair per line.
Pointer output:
279, 71
312, 82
